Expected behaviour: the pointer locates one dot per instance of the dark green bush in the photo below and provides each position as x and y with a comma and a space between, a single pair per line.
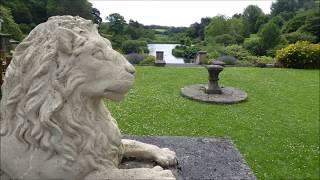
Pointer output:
134, 58
302, 55
191, 52
229, 60
148, 60
185, 52
253, 45
177, 52
299, 36
134, 46
9, 26
225, 39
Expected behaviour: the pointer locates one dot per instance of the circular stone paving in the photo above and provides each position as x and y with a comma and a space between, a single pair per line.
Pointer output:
229, 95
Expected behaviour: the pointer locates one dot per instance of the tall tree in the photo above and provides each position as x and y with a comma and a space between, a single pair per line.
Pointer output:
269, 35
218, 26
80, 8
96, 16
282, 6
251, 14
9, 26
116, 23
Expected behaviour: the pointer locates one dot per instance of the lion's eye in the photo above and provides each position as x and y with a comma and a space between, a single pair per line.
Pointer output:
98, 55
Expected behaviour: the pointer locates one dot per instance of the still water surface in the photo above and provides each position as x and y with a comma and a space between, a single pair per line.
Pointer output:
167, 56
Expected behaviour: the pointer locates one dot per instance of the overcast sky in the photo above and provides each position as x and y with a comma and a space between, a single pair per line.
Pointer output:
174, 12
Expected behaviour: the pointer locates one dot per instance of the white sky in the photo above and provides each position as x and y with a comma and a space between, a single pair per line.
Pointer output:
174, 12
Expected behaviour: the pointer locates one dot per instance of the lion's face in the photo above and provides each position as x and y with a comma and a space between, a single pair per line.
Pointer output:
108, 73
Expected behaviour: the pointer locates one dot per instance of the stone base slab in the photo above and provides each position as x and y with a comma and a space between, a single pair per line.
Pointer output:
199, 158
229, 95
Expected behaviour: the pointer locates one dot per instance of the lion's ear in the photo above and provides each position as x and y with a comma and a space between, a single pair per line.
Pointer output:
66, 40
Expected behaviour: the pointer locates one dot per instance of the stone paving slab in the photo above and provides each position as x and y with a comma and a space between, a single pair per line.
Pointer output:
203, 158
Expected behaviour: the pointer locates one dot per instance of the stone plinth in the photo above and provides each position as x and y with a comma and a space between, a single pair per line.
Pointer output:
199, 158
229, 95
201, 57
159, 59
213, 86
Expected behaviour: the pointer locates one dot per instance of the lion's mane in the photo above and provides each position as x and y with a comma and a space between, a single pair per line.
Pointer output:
38, 92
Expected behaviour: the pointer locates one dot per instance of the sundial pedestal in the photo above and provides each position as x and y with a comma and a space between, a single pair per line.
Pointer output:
213, 85
212, 92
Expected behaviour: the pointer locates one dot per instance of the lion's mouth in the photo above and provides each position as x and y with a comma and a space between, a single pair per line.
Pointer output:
120, 89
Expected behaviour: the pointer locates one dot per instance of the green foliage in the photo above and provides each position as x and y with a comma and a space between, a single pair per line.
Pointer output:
302, 54
229, 60
196, 30
185, 51
285, 6
218, 26
134, 46
80, 8
191, 52
213, 55
116, 23
237, 51
269, 36
300, 36
251, 14
238, 29
265, 59
136, 31
253, 44
9, 26
148, 60
96, 16
225, 39
177, 52
312, 24
278, 20
296, 22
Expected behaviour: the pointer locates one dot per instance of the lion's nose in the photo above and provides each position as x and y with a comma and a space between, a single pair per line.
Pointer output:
130, 69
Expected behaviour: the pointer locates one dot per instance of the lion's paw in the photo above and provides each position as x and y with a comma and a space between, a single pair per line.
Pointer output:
165, 157
159, 173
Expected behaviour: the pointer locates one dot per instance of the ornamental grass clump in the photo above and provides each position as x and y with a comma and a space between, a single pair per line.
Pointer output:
301, 55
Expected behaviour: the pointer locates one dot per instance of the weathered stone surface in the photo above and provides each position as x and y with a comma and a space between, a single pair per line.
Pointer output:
200, 158
54, 124
201, 57
221, 63
229, 95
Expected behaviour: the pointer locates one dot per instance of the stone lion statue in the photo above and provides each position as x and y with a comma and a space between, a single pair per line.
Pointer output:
53, 122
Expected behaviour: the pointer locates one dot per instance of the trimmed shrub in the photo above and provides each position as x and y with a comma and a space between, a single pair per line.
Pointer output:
148, 60
229, 60
177, 52
185, 52
302, 55
134, 58
191, 52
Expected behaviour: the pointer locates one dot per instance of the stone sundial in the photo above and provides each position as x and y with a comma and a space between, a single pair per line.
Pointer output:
212, 92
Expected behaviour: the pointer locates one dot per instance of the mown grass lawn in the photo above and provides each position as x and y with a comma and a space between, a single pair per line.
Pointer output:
276, 130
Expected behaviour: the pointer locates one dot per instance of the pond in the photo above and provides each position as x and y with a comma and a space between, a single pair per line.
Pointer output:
167, 55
